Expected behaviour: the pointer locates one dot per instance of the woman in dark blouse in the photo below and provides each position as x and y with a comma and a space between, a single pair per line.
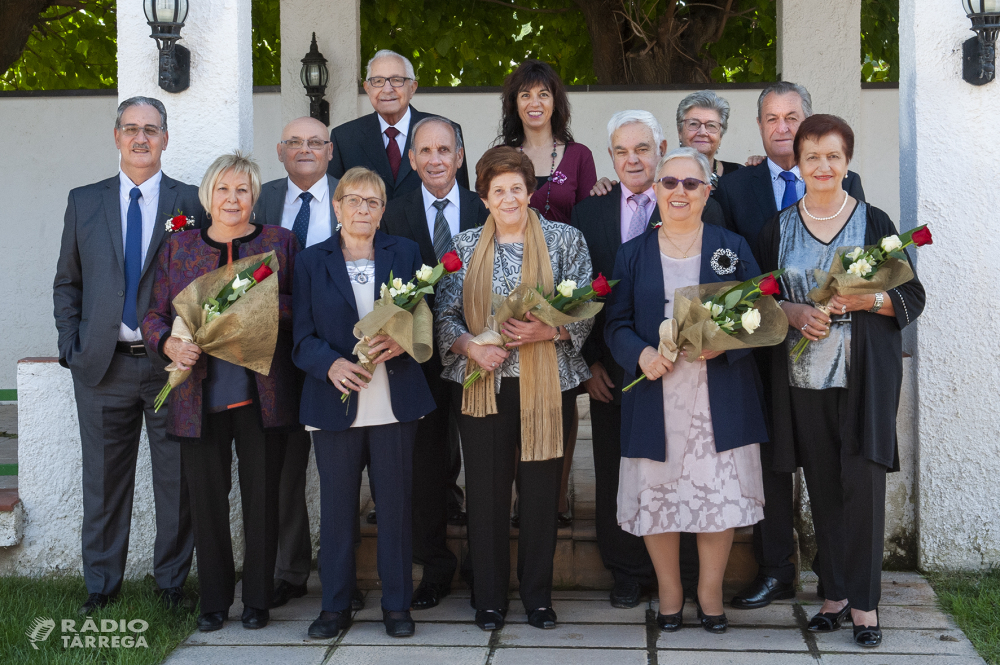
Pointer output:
702, 121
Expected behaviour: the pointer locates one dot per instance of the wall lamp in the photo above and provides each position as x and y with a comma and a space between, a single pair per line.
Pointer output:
314, 76
166, 18
979, 52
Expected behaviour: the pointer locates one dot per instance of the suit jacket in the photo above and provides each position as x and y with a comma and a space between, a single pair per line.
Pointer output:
88, 313
634, 315
359, 143
325, 314
599, 218
271, 204
747, 198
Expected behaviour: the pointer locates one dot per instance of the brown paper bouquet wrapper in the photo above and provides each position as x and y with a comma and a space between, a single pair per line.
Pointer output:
413, 331
699, 333
892, 273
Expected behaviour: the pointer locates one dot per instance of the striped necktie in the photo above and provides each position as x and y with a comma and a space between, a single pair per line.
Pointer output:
639, 220
442, 233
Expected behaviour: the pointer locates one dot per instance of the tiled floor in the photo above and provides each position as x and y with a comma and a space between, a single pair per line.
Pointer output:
590, 631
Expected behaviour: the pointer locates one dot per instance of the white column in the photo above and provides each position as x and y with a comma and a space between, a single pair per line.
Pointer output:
948, 173
215, 114
338, 36
819, 46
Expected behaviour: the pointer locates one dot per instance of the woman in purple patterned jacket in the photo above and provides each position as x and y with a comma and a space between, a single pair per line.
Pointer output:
221, 402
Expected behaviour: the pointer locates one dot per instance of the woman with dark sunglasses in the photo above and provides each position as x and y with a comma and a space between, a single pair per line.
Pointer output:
691, 431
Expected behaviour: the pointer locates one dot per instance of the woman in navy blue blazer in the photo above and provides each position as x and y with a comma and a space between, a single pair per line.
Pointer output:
336, 284
690, 432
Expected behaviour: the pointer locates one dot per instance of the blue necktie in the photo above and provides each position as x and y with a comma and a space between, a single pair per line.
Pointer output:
133, 258
791, 196
301, 226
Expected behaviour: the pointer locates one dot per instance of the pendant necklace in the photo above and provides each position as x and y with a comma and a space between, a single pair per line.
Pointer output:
684, 251
825, 219
359, 273
552, 170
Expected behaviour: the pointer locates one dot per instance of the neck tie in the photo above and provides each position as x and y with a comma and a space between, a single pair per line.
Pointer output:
133, 258
301, 226
790, 197
639, 220
392, 151
442, 233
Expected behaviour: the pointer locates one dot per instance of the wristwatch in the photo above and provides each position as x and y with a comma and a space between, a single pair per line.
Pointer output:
878, 303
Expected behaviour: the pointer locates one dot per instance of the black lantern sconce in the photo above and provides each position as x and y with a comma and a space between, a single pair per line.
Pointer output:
979, 53
314, 76
166, 18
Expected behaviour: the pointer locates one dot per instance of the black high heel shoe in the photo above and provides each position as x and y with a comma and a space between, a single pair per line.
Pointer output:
827, 622
714, 624
671, 623
868, 636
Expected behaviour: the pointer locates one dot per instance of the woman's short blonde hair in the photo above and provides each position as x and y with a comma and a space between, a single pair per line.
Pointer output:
238, 163
359, 176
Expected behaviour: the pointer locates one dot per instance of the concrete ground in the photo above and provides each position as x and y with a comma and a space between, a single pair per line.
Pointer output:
590, 631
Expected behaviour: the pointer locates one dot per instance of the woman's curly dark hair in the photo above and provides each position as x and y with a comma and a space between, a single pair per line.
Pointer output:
529, 74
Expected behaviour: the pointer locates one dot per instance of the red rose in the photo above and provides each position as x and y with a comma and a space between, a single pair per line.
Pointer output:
600, 285
769, 286
179, 222
451, 262
260, 273
922, 236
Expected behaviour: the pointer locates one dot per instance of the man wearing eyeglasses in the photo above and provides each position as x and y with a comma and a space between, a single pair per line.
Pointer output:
300, 202
381, 141
104, 279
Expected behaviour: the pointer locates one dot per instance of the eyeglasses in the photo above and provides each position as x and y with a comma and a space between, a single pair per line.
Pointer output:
353, 201
313, 144
693, 125
151, 131
690, 184
394, 81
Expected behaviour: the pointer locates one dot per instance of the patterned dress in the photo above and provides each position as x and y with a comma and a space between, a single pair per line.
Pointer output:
696, 489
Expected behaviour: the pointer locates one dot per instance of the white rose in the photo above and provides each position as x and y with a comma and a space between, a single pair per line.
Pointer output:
397, 284
860, 268
408, 287
853, 255
750, 320
891, 244
566, 288
238, 283
424, 273
383, 291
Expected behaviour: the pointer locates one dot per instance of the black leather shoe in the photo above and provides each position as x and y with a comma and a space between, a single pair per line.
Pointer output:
670, 623
626, 595
489, 619
761, 592
357, 600
713, 624
565, 520
868, 636
171, 597
544, 617
371, 517
211, 621
400, 625
428, 595
95, 601
254, 618
329, 624
285, 591
827, 622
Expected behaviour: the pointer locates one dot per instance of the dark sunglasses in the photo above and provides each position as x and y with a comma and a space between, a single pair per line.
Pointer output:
690, 184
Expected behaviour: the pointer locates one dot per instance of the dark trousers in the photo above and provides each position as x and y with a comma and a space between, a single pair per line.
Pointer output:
340, 458
847, 497
491, 447
208, 470
111, 416
455, 494
294, 542
774, 536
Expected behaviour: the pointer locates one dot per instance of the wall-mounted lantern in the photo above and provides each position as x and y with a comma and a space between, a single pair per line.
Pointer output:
979, 52
166, 18
314, 77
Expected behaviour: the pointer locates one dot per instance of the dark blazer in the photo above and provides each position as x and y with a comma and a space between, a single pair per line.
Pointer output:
88, 314
633, 322
747, 198
271, 203
599, 218
325, 314
183, 258
359, 143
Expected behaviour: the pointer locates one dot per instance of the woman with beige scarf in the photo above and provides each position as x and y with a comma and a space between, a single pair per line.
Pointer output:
513, 418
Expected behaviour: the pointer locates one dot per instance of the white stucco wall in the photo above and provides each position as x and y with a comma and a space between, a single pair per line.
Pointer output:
948, 170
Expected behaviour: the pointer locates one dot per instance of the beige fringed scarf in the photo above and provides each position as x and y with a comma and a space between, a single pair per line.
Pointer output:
541, 398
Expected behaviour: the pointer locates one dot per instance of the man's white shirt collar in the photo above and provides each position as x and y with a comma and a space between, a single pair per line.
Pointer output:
403, 125
776, 170
429, 198
150, 188
319, 190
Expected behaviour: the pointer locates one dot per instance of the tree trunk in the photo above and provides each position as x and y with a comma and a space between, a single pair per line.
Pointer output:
605, 38
17, 19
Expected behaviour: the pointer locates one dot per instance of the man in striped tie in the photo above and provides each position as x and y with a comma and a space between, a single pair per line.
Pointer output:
431, 215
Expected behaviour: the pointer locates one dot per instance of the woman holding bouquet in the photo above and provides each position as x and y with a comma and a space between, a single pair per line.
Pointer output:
336, 284
834, 409
516, 416
222, 402
690, 433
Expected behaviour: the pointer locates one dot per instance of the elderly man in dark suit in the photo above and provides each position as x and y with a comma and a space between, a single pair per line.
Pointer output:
102, 288
431, 215
301, 203
380, 141
750, 197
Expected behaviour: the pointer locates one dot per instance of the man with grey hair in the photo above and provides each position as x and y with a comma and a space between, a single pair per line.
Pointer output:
104, 279
381, 140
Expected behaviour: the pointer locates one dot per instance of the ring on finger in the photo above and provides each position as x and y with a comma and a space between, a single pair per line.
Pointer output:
843, 309
804, 327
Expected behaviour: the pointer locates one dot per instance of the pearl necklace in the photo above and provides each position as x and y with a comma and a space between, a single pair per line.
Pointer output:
825, 219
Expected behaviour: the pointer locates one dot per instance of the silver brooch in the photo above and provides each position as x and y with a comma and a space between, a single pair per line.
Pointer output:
724, 261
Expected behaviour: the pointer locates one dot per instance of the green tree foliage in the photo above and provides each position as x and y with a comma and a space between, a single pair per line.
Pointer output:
264, 16
748, 50
879, 40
